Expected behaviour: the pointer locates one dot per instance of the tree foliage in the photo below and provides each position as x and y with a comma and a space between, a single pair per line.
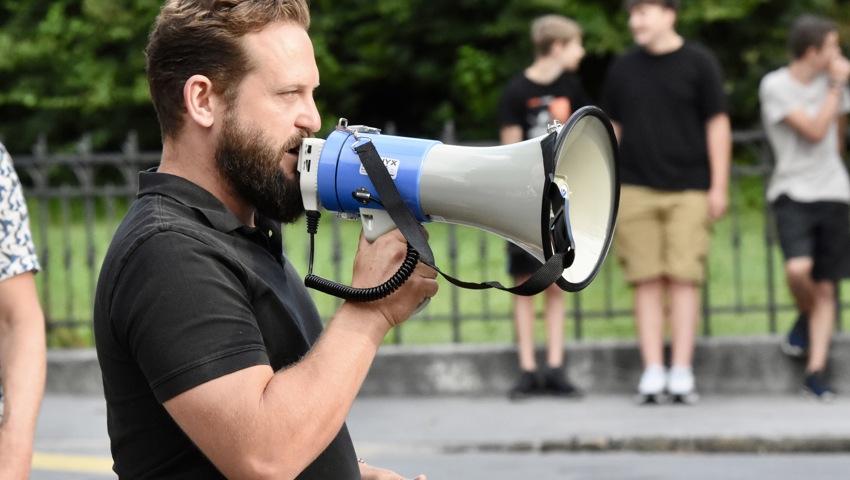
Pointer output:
73, 66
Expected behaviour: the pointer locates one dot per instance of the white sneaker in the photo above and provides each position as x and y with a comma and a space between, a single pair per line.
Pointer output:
680, 380
652, 381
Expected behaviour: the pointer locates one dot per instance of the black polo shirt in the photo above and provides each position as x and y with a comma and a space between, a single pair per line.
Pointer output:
187, 294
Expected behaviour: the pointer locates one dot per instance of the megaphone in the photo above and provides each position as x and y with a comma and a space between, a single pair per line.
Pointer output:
499, 189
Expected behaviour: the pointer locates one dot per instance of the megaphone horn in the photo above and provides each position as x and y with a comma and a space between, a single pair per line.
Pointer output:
505, 190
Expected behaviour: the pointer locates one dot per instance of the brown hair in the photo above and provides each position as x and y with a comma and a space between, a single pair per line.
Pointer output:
548, 29
809, 31
203, 37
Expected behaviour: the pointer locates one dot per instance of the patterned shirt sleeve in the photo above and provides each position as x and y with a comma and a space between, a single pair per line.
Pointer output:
17, 250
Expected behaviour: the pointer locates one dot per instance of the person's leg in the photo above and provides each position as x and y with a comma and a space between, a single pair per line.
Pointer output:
555, 316
649, 318
798, 274
524, 325
554, 376
684, 318
688, 239
638, 243
796, 224
821, 323
831, 263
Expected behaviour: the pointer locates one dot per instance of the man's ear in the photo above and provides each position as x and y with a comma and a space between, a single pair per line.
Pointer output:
200, 100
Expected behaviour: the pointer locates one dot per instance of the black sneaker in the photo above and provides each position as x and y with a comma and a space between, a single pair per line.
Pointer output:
817, 387
796, 343
526, 386
555, 382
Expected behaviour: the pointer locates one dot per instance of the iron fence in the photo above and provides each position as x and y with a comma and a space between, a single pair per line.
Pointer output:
77, 200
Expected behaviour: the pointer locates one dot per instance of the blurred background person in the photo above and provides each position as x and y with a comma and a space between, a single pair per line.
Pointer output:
23, 355
532, 100
804, 106
666, 102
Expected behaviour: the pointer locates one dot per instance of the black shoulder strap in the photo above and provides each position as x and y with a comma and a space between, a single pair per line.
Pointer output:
549, 273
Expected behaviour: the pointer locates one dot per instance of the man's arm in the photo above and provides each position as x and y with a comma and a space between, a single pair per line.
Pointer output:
256, 423
618, 130
23, 360
718, 134
815, 127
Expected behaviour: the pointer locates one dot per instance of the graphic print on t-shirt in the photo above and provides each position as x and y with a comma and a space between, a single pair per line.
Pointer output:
543, 111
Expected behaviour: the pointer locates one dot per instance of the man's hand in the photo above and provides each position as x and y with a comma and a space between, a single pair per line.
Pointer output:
368, 472
375, 263
718, 202
839, 69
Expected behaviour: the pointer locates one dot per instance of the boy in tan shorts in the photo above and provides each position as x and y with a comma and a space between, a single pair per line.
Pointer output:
667, 105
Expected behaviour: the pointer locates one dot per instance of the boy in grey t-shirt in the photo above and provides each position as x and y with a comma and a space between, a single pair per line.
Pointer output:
801, 105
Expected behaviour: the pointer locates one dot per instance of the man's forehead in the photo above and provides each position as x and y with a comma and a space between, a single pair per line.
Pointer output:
277, 38
281, 44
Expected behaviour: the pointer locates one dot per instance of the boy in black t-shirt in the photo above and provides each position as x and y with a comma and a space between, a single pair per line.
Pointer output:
666, 102
545, 92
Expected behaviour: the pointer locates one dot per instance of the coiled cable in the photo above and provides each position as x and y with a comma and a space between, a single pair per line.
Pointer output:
350, 293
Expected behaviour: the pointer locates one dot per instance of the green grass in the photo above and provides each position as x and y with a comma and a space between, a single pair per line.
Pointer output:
737, 279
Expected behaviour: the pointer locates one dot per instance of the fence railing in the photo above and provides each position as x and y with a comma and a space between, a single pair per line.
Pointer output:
77, 200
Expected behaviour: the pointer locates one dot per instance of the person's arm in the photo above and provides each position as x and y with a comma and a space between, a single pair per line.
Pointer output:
257, 423
23, 365
815, 127
718, 134
510, 134
618, 130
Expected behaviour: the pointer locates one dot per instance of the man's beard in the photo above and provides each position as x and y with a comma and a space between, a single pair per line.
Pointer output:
247, 158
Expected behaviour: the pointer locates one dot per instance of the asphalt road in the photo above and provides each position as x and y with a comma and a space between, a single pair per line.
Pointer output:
71, 441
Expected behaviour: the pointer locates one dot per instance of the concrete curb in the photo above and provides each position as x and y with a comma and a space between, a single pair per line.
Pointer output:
728, 365
708, 444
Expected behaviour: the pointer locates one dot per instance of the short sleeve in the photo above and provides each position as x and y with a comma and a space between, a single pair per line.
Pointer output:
17, 250
190, 321
713, 97
609, 100
775, 103
511, 108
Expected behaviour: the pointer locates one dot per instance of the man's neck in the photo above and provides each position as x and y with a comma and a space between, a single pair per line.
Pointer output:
544, 70
803, 72
664, 44
200, 169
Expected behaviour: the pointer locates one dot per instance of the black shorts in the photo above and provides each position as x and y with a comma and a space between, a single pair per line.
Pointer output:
816, 230
520, 262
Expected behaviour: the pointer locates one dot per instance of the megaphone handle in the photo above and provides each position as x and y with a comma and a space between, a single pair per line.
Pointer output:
392, 201
375, 223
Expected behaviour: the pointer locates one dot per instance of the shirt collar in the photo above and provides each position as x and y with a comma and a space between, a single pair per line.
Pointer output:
193, 196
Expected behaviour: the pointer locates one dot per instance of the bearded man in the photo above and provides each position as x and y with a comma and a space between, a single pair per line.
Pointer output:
214, 359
